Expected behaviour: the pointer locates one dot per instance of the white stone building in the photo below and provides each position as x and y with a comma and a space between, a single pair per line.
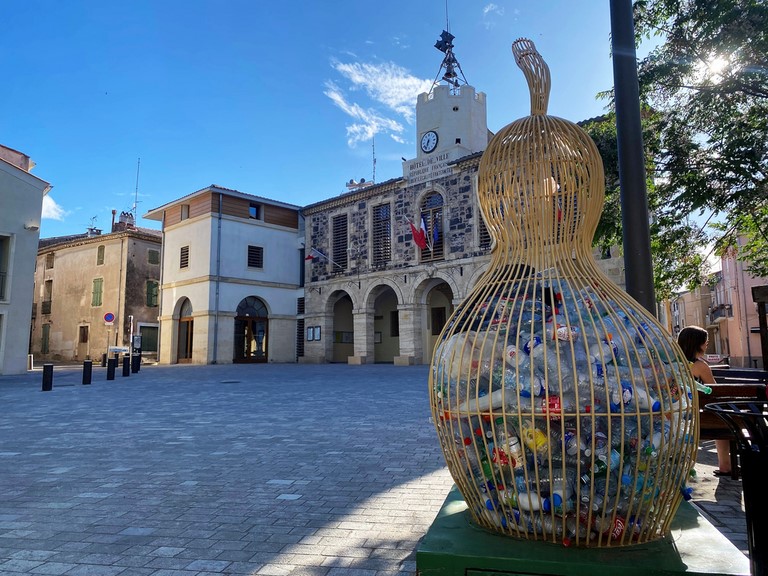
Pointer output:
21, 202
375, 293
232, 273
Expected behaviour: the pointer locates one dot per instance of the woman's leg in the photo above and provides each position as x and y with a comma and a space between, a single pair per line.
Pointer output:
723, 455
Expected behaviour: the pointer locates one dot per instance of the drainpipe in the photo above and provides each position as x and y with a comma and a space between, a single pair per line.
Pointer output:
218, 281
743, 312
160, 303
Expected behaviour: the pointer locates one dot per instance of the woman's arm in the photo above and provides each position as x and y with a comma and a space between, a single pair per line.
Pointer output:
701, 370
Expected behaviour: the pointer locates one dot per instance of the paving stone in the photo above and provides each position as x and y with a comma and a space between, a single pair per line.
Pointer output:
181, 475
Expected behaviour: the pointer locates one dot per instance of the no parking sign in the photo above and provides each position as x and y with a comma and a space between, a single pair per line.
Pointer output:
109, 319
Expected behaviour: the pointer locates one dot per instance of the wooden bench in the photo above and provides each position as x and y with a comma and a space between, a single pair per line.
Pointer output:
732, 385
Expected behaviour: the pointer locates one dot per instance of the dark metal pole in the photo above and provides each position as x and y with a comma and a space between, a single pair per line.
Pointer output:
638, 269
111, 364
126, 366
87, 371
47, 377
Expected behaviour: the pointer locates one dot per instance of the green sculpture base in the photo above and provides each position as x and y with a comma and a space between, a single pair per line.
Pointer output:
454, 546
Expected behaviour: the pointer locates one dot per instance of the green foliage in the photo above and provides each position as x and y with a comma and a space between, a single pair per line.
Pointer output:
707, 80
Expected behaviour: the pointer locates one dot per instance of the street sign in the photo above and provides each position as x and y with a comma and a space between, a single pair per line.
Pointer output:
109, 317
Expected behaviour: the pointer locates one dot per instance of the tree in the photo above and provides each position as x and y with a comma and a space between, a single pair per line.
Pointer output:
708, 81
675, 244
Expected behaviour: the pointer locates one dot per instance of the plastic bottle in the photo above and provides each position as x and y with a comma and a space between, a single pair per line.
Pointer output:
515, 452
558, 328
604, 351
542, 355
535, 439
620, 393
645, 400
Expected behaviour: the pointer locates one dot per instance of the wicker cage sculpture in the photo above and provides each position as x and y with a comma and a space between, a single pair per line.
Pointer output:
566, 413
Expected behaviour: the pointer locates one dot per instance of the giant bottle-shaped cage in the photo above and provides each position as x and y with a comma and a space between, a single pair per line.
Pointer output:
565, 411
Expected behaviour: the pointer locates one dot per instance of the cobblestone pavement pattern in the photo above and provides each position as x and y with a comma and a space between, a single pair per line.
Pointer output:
269, 470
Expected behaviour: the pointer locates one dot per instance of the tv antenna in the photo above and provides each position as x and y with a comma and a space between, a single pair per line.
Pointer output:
136, 193
373, 152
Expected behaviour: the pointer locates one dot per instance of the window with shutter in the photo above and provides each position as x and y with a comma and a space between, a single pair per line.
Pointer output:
381, 237
184, 257
432, 214
340, 243
255, 257
97, 291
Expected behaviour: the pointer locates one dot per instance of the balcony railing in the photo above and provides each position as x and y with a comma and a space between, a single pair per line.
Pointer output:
721, 311
45, 307
34, 310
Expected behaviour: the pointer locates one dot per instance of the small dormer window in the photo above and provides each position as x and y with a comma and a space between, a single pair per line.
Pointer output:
254, 211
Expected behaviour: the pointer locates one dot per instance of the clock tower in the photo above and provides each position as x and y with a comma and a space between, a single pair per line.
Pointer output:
450, 120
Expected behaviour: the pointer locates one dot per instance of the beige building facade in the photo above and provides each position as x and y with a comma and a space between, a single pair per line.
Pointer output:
94, 291
231, 286
21, 201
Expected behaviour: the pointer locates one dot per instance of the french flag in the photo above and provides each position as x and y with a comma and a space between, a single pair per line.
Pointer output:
419, 234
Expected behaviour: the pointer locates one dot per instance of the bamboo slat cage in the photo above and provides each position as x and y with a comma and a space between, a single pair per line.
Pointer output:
565, 411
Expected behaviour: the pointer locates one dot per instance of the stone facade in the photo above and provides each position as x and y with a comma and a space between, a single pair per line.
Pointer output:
80, 278
399, 307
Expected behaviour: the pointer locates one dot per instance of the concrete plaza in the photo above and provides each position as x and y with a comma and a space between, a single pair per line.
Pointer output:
247, 469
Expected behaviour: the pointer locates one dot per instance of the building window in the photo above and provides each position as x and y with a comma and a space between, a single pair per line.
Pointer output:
100, 255
394, 323
438, 321
45, 339
300, 305
184, 257
184, 211
432, 213
299, 338
339, 243
152, 292
5, 259
153, 256
255, 257
83, 335
381, 238
254, 211
49, 261
45, 307
484, 237
97, 291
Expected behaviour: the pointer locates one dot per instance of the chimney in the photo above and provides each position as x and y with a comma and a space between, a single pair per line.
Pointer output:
114, 213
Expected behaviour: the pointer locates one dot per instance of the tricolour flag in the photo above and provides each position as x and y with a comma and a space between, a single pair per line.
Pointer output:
419, 234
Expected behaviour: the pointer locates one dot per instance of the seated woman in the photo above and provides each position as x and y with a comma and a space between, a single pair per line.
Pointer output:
693, 341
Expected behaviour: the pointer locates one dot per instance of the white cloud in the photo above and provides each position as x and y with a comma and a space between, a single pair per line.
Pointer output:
51, 210
490, 10
390, 91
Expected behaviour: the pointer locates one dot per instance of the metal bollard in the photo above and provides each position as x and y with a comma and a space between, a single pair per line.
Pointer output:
47, 377
111, 365
126, 366
135, 363
87, 371
104, 360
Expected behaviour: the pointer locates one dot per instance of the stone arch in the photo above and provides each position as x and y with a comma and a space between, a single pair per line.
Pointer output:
434, 301
251, 330
339, 327
382, 318
184, 330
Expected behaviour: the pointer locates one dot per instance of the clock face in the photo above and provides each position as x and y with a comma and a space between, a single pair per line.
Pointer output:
429, 141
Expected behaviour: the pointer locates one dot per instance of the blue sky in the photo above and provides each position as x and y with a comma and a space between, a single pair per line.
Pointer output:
274, 99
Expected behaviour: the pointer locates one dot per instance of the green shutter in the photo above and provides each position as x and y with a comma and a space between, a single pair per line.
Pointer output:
98, 285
